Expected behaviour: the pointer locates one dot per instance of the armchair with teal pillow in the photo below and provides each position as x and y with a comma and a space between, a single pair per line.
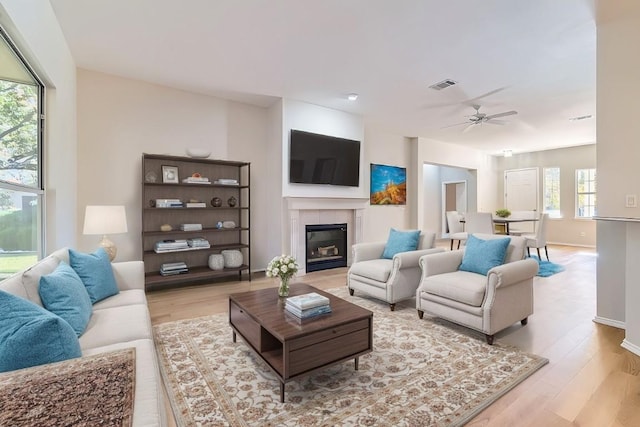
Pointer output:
487, 286
389, 270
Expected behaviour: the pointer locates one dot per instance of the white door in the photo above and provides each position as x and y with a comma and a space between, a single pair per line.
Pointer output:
521, 195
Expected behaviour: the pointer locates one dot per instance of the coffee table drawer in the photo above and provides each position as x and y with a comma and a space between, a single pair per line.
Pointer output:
247, 327
328, 351
329, 333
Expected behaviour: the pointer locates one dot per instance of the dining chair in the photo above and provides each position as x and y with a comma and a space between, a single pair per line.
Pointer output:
479, 222
456, 229
539, 238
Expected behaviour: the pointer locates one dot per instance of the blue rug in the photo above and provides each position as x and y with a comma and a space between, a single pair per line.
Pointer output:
547, 268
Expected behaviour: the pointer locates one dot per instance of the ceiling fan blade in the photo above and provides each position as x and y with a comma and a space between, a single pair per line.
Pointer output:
497, 122
468, 128
505, 114
457, 124
484, 95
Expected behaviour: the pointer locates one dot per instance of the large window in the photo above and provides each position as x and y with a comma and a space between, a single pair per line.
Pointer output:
552, 192
21, 186
585, 193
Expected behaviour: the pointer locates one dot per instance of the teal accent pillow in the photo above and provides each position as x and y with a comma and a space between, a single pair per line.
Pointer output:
31, 336
95, 272
63, 293
401, 241
480, 256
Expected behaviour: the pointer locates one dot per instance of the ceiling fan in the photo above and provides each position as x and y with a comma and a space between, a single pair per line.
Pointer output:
479, 118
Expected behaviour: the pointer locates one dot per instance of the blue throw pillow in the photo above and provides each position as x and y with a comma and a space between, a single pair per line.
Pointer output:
480, 256
401, 241
63, 293
31, 336
96, 273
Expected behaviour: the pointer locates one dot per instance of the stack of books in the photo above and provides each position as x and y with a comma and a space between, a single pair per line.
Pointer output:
190, 227
308, 305
198, 243
173, 268
169, 203
196, 205
196, 180
170, 246
226, 181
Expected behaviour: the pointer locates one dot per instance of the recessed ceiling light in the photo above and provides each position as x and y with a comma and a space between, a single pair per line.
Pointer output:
352, 96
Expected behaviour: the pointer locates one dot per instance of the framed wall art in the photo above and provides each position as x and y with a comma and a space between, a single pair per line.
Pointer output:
388, 185
170, 174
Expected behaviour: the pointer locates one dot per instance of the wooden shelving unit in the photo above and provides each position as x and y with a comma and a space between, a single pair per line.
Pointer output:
239, 237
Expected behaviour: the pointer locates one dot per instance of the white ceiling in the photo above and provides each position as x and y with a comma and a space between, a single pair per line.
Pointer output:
536, 57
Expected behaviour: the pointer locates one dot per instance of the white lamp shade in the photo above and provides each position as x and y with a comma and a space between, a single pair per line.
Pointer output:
105, 220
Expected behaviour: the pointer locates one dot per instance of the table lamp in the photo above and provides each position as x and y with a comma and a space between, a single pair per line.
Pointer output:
105, 220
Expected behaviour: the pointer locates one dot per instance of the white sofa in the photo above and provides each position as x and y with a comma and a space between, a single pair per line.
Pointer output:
118, 322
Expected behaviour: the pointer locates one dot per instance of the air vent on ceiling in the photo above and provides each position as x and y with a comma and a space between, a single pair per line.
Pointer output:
443, 84
575, 119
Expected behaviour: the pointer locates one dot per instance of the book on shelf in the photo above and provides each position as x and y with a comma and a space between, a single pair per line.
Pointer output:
173, 272
309, 300
170, 245
168, 203
190, 227
308, 312
196, 205
198, 242
196, 180
173, 268
226, 181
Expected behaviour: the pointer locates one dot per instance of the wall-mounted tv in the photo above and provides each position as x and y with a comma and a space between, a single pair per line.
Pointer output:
323, 159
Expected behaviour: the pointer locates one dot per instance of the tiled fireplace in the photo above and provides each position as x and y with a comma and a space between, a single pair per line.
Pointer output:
303, 211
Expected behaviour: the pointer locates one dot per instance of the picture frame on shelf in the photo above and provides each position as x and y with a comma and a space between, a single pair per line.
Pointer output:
170, 174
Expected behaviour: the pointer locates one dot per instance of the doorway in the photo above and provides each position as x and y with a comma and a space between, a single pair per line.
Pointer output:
454, 198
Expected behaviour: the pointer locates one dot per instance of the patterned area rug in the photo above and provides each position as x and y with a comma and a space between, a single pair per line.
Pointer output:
89, 391
420, 373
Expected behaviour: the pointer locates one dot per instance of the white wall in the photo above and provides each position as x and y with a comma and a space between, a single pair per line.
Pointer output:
566, 230
313, 118
618, 132
118, 120
393, 150
247, 135
34, 28
439, 153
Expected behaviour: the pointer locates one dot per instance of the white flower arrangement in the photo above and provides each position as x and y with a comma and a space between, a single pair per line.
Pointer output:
283, 266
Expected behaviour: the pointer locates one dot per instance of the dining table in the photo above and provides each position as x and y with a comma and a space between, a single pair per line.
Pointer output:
507, 221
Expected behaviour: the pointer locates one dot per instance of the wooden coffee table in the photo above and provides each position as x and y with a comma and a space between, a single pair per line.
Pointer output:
292, 347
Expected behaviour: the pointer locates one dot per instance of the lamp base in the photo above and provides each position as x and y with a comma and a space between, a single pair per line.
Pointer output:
109, 247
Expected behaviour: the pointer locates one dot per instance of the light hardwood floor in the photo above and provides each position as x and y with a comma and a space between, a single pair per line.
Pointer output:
590, 380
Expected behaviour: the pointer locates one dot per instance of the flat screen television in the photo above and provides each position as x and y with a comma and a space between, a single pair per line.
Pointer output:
323, 159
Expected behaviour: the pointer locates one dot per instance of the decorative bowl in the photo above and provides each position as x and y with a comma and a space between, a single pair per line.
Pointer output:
198, 153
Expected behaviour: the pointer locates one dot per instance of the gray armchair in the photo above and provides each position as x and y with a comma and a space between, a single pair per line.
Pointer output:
389, 280
485, 303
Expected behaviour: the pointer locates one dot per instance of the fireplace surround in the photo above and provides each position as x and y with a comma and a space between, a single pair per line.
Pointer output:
303, 211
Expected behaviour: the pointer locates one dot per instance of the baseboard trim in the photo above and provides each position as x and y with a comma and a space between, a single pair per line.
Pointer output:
610, 322
631, 347
575, 245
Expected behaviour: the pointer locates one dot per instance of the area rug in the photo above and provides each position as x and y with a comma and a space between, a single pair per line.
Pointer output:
420, 373
89, 391
546, 268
